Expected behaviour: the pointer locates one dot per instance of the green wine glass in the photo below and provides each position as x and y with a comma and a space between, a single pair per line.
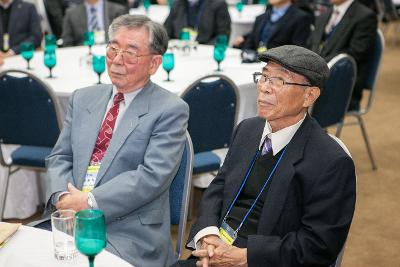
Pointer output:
99, 65
219, 55
50, 60
222, 40
170, 3
239, 7
27, 50
50, 43
90, 233
89, 40
168, 63
146, 4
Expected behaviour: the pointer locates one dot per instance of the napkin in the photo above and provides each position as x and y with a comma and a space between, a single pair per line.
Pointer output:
6, 231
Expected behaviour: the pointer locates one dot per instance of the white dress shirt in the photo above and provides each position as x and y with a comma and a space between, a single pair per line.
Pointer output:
279, 140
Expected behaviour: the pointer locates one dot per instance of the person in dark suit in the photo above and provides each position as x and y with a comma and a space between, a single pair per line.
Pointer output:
351, 31
78, 19
281, 24
209, 18
285, 195
19, 22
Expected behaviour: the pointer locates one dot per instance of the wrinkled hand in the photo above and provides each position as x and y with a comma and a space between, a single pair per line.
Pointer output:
206, 251
226, 255
75, 200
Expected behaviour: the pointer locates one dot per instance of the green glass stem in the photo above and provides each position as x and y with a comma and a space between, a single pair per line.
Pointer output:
90, 50
91, 261
99, 74
29, 66
168, 76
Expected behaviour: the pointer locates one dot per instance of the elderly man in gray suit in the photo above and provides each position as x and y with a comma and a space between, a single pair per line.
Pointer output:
121, 146
91, 15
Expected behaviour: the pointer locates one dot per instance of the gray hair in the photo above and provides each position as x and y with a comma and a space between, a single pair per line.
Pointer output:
158, 37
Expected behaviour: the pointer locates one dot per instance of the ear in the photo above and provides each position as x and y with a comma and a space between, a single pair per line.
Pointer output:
310, 96
155, 63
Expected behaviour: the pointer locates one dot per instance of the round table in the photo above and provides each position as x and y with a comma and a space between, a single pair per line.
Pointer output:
32, 247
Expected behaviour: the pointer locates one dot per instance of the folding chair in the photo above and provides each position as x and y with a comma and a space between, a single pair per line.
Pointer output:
29, 117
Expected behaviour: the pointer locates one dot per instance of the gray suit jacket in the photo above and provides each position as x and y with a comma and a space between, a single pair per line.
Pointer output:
75, 22
136, 171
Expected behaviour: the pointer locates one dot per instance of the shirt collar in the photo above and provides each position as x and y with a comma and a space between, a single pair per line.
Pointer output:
342, 8
128, 97
280, 138
281, 10
6, 5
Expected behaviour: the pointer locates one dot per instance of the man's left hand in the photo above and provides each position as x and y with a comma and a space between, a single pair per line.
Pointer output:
75, 200
225, 255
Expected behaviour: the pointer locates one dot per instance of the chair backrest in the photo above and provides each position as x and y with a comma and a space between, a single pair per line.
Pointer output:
179, 194
331, 106
339, 258
29, 110
373, 63
213, 111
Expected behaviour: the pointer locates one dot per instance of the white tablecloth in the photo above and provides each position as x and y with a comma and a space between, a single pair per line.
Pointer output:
31, 247
72, 72
241, 22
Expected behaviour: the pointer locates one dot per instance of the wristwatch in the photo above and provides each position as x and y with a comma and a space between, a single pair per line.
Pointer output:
90, 202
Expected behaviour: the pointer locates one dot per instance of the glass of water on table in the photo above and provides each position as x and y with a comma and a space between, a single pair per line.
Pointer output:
63, 223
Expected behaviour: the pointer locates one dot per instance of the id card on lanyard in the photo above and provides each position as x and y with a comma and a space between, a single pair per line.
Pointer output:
90, 178
227, 233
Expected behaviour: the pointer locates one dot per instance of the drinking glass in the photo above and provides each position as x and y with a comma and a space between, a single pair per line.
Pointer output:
26, 50
99, 65
239, 7
146, 4
50, 43
50, 60
219, 55
168, 63
170, 3
90, 233
62, 224
89, 40
222, 40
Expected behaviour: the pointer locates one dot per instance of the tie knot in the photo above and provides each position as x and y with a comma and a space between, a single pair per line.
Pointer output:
92, 9
267, 146
118, 98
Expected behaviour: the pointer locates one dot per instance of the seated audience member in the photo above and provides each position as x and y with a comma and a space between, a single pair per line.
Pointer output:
19, 22
348, 27
209, 18
282, 24
88, 16
286, 193
55, 10
121, 146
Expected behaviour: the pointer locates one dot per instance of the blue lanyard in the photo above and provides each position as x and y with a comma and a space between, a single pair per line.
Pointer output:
262, 189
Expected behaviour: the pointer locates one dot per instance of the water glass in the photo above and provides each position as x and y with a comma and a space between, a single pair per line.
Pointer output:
63, 223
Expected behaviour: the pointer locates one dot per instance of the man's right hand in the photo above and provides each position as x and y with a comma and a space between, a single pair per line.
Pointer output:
206, 251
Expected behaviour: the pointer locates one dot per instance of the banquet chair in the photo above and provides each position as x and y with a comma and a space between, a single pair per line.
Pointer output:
339, 258
330, 108
373, 65
179, 195
30, 117
213, 102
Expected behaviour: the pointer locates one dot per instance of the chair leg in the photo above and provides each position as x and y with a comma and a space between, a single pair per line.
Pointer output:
3, 194
339, 128
364, 133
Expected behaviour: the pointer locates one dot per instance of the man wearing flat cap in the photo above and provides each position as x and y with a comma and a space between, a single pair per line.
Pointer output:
285, 195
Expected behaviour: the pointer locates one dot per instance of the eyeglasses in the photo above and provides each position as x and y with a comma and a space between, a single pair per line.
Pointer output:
274, 82
129, 57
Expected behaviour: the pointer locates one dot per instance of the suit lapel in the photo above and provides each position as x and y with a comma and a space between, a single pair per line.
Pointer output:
128, 123
89, 126
339, 30
284, 174
260, 27
15, 12
320, 30
282, 21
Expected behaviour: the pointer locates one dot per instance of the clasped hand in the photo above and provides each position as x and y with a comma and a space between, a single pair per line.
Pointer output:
75, 199
214, 252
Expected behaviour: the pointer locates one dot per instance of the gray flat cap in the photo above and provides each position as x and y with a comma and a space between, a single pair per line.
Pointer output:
299, 60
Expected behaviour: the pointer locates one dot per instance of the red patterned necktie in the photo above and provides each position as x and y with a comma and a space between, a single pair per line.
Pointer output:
106, 131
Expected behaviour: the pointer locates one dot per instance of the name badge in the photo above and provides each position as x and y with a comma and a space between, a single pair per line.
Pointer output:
90, 178
99, 37
227, 234
6, 42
